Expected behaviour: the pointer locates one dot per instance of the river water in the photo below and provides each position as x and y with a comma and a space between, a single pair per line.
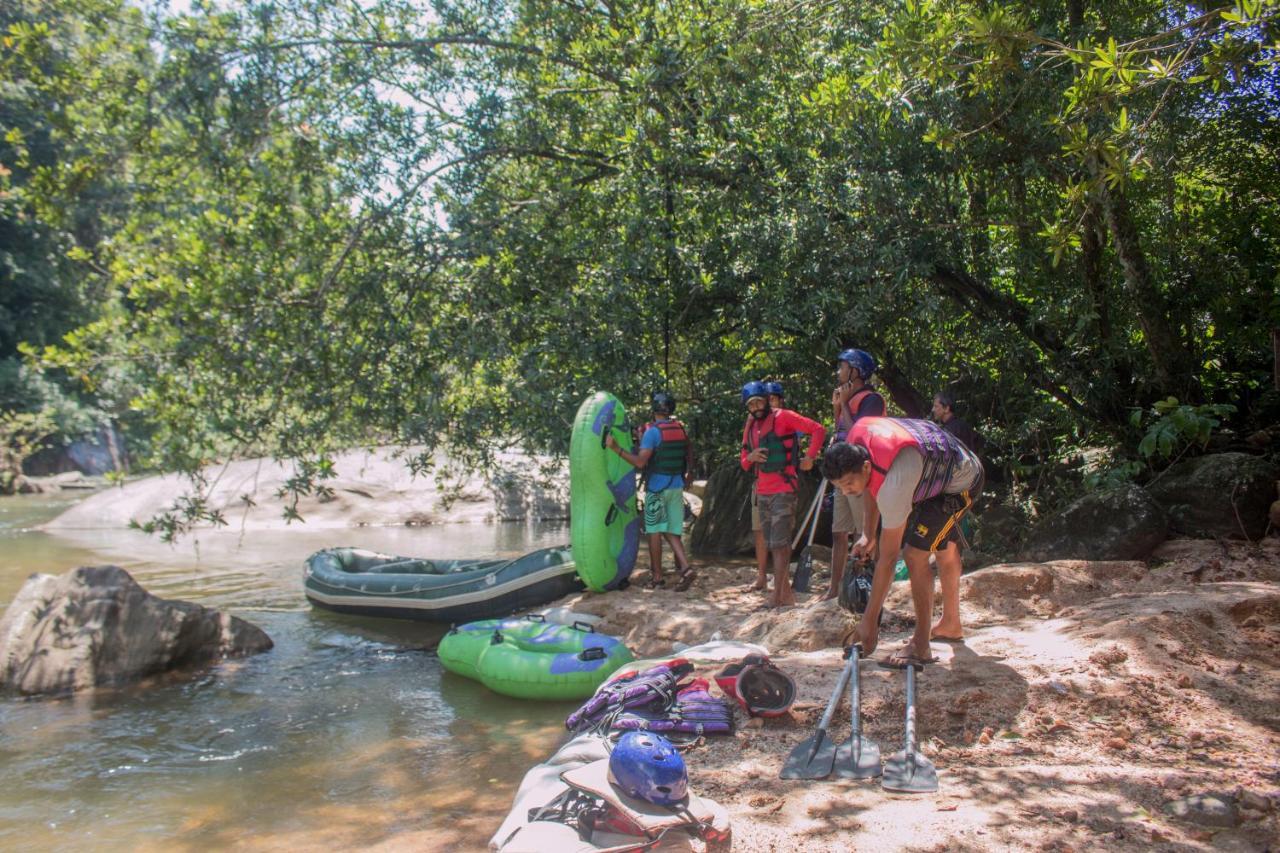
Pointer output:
347, 734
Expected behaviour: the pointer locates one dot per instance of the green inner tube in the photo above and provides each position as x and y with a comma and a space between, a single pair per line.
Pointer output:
531, 659
604, 530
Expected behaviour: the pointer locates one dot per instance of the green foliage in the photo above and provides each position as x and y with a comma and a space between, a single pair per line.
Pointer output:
1178, 426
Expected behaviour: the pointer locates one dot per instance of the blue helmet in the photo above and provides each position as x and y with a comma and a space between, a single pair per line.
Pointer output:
646, 766
859, 360
662, 402
774, 389
753, 389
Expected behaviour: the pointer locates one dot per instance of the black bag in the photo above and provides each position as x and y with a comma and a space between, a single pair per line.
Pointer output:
855, 588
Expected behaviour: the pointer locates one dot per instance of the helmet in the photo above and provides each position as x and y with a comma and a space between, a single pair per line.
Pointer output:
761, 688
859, 360
663, 402
753, 389
774, 389
646, 766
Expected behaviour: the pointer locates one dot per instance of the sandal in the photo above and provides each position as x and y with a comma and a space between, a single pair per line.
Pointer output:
654, 583
687, 577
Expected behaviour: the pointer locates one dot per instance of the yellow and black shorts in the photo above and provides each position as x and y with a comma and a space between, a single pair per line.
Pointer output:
935, 522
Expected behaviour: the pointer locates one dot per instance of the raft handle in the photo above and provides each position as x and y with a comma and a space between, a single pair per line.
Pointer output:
496, 639
535, 617
592, 653
611, 514
579, 625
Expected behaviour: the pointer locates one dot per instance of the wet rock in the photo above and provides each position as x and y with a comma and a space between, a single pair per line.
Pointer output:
95, 626
1118, 524
1205, 809
1225, 495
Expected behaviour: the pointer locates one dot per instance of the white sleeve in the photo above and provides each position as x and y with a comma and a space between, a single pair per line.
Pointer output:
899, 486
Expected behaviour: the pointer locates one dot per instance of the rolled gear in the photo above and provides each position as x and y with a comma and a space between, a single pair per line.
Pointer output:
695, 712
759, 687
652, 689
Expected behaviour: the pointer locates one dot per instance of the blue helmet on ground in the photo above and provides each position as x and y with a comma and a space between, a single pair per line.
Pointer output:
662, 402
774, 389
646, 766
753, 389
859, 360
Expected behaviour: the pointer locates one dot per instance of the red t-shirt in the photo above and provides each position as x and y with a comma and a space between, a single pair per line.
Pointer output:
781, 422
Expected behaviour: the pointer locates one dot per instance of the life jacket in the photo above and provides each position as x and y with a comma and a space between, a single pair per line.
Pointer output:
886, 437
695, 711
783, 450
654, 688
672, 452
849, 416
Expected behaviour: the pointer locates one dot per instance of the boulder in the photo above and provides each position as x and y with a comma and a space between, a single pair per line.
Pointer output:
1222, 495
95, 626
1124, 523
724, 524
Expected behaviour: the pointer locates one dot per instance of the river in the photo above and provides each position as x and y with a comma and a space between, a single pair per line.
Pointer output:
347, 734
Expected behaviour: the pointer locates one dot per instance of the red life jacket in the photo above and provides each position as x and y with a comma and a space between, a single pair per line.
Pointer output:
784, 450
886, 437
849, 416
672, 453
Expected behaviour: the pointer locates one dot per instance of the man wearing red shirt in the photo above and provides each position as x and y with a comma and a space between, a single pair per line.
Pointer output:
771, 450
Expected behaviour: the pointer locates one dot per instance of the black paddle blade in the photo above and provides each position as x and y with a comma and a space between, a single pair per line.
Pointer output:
811, 759
804, 570
910, 773
857, 758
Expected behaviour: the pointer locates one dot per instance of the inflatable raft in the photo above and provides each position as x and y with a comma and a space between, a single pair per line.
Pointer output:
351, 580
604, 531
530, 658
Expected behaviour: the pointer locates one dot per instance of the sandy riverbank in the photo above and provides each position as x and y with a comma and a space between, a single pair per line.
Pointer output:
1087, 697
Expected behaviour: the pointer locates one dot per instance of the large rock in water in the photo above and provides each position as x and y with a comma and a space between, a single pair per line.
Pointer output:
95, 626
1118, 524
1225, 495
724, 524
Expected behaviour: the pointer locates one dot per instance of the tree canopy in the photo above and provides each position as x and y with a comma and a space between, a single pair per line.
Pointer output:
304, 224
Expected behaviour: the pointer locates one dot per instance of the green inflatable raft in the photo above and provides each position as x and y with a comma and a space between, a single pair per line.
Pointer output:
604, 531
529, 658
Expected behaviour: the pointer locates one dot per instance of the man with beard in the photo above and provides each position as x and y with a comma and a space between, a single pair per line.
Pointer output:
771, 450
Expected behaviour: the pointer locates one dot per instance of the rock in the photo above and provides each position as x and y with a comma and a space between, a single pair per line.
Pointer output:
697, 488
1222, 495
1118, 524
724, 525
95, 453
1205, 809
95, 626
1253, 800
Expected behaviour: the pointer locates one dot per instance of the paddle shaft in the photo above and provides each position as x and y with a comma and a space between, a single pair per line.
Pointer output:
813, 528
855, 693
910, 746
831, 708
807, 515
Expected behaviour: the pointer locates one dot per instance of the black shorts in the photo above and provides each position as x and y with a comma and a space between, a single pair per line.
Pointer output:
935, 522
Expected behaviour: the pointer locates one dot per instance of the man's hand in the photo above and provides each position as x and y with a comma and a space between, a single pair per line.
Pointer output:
611, 442
758, 456
806, 464
864, 547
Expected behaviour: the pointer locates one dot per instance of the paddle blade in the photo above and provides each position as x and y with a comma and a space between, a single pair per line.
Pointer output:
811, 759
910, 773
804, 570
857, 758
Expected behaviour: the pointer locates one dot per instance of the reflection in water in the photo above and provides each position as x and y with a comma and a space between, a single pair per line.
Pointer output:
346, 734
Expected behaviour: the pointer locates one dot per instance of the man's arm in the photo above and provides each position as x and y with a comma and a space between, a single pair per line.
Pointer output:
817, 435
635, 460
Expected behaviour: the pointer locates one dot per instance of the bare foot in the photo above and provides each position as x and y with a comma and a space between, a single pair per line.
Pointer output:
828, 595
947, 633
757, 587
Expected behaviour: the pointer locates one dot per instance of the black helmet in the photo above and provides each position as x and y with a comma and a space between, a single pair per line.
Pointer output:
855, 590
663, 402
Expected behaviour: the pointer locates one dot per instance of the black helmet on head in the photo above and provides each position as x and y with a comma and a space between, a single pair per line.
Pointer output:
663, 402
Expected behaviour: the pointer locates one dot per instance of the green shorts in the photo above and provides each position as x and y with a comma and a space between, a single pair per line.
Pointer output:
664, 512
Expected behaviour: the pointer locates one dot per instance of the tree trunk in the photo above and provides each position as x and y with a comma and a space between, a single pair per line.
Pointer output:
904, 395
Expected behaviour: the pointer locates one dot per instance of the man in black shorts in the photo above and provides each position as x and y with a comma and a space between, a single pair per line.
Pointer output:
919, 480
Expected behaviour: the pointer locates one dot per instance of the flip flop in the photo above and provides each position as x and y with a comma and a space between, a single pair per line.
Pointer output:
654, 583
687, 577
938, 638
901, 659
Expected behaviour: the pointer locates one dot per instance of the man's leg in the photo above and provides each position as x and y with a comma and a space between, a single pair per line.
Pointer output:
655, 556
950, 565
922, 599
677, 549
839, 556
762, 563
783, 594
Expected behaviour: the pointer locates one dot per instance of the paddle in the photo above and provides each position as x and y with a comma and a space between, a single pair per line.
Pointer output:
814, 757
804, 563
858, 757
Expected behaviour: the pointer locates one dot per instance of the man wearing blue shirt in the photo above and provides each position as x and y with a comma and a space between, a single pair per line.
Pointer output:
665, 456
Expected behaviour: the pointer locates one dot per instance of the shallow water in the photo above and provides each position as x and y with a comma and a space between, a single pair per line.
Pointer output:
346, 734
